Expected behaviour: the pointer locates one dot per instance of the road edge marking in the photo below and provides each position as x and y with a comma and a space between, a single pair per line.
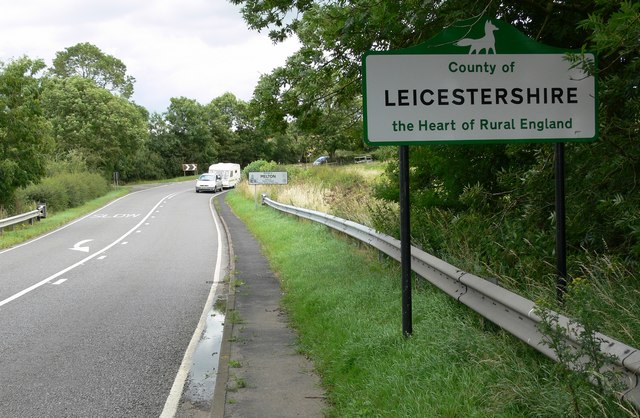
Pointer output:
175, 394
84, 260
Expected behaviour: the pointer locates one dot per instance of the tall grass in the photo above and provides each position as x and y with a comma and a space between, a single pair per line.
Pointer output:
345, 304
344, 191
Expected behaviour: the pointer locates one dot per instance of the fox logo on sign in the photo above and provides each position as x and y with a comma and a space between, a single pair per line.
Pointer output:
487, 43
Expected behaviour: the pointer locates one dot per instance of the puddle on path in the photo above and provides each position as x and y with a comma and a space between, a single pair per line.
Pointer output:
202, 377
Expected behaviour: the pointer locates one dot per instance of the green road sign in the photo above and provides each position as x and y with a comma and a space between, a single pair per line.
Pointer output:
480, 80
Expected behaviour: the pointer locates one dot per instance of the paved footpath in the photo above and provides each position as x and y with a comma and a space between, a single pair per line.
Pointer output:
261, 374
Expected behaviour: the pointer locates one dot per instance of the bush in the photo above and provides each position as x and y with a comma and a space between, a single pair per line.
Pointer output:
71, 162
260, 165
385, 153
53, 193
63, 191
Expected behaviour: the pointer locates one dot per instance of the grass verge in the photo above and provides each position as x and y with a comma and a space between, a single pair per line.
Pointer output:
26, 232
345, 305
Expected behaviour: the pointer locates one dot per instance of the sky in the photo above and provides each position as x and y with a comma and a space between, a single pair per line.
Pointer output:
198, 49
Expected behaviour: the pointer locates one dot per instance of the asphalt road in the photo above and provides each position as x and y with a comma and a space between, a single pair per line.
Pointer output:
96, 317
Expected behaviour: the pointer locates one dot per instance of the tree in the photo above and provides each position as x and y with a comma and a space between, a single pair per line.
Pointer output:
234, 126
25, 134
224, 114
162, 143
187, 136
601, 178
604, 174
266, 107
231, 112
104, 128
260, 14
313, 97
88, 61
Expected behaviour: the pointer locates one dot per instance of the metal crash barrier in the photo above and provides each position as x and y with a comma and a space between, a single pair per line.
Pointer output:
40, 212
506, 309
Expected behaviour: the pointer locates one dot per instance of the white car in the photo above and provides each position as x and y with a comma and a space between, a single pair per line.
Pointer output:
208, 183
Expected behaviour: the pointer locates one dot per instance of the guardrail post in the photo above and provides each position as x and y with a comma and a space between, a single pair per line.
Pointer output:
42, 207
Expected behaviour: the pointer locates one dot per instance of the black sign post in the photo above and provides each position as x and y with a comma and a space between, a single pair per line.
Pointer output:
561, 240
405, 241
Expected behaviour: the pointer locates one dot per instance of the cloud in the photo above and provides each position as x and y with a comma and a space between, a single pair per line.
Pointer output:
199, 49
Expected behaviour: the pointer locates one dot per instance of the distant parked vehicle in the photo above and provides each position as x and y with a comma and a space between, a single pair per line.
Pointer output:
228, 172
363, 159
321, 160
208, 183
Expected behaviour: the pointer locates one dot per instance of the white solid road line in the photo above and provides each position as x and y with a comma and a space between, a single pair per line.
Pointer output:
173, 400
71, 223
84, 260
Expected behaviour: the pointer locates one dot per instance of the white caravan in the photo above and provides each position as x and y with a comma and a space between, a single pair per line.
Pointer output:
229, 172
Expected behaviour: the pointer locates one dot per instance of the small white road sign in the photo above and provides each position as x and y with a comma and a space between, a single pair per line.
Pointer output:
268, 177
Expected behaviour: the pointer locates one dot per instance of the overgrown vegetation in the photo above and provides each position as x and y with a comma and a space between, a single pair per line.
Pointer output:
603, 299
345, 305
344, 191
68, 184
66, 190
69, 190
512, 238
585, 364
